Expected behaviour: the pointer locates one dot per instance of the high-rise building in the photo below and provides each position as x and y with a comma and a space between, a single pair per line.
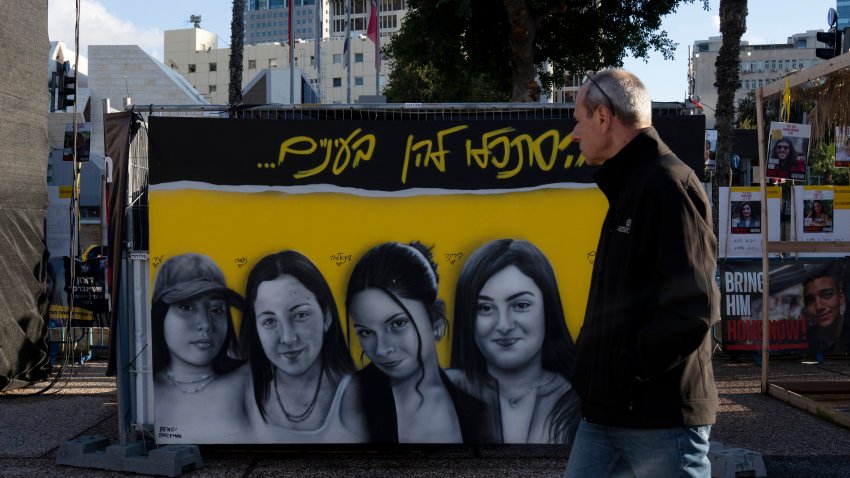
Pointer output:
843, 8
267, 21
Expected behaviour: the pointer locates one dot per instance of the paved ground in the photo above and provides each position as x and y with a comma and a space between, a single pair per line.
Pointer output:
792, 442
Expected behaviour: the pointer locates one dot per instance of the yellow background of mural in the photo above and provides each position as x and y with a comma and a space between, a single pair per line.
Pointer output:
237, 229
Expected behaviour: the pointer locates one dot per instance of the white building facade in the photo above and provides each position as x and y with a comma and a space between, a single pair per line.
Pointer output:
194, 52
760, 65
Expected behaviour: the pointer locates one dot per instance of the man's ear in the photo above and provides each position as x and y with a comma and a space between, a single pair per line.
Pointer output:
604, 116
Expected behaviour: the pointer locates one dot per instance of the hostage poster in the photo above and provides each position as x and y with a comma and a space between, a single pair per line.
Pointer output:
788, 151
806, 306
365, 281
741, 220
822, 213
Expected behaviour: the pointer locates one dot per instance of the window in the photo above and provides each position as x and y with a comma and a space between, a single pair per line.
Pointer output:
358, 58
213, 67
89, 214
337, 82
213, 89
192, 67
252, 64
389, 22
358, 81
337, 58
272, 62
392, 5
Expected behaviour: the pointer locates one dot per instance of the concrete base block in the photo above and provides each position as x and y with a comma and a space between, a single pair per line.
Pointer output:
735, 462
96, 452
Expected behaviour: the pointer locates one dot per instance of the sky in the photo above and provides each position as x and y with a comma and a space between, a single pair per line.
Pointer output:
125, 22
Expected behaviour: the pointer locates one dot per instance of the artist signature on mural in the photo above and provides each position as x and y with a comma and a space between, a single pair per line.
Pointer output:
168, 432
453, 257
340, 258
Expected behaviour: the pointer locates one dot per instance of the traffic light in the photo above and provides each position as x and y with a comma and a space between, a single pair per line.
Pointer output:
65, 84
832, 39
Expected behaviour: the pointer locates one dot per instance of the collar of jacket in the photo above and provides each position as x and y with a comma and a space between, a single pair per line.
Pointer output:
615, 173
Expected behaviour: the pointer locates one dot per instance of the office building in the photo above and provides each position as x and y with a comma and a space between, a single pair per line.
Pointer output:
267, 21
760, 65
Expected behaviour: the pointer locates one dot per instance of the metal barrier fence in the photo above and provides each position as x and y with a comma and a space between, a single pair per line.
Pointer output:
136, 277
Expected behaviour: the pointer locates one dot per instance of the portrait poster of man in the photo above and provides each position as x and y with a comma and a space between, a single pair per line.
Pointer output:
343, 281
740, 217
787, 151
822, 214
710, 150
842, 147
741, 287
825, 290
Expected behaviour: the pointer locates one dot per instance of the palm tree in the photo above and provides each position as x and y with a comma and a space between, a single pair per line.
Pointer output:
733, 24
237, 44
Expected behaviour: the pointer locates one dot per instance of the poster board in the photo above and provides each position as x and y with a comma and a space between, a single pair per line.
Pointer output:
710, 150
842, 147
822, 213
806, 309
788, 150
740, 220
83, 142
333, 192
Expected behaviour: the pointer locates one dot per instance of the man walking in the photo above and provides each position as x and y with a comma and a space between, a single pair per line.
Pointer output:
643, 365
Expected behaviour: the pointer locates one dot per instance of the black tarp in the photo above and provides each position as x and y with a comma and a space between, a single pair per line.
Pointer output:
118, 131
23, 190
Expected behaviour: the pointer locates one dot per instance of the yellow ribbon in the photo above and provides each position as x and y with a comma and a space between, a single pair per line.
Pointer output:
785, 111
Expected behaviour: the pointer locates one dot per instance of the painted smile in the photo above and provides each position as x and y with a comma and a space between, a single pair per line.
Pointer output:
202, 344
390, 364
292, 354
505, 342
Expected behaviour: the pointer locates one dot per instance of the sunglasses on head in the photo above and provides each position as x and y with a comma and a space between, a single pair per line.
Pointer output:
588, 76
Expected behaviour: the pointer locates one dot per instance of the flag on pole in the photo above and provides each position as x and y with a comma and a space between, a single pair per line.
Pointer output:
372, 33
289, 7
345, 46
372, 28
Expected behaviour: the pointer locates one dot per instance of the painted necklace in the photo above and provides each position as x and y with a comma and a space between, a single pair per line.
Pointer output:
202, 380
295, 418
513, 402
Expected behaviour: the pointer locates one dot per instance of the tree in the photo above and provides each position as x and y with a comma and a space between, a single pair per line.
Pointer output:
518, 48
237, 44
733, 24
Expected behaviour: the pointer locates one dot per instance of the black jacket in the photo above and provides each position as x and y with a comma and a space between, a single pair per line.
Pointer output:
644, 351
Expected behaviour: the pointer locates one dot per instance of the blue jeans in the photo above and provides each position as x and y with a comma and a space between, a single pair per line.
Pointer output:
602, 451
